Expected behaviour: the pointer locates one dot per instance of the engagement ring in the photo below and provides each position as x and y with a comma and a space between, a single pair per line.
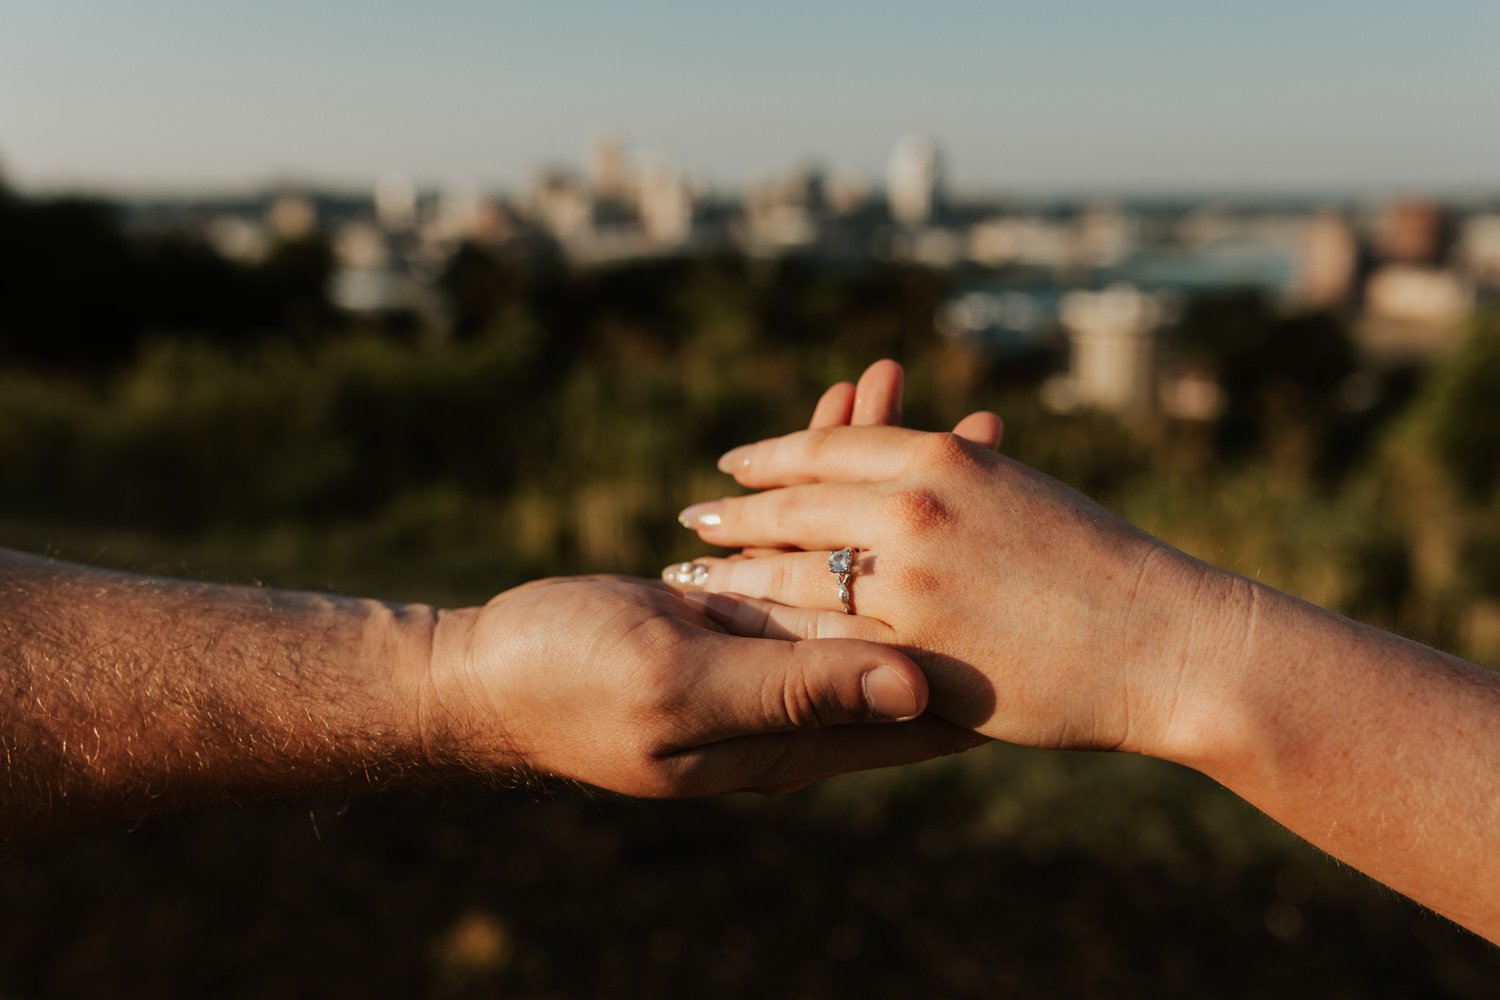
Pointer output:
841, 565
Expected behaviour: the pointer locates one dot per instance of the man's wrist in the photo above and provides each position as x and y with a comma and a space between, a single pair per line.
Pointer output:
454, 724
394, 667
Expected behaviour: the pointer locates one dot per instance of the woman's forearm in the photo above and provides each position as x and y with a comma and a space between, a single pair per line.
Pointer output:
1382, 752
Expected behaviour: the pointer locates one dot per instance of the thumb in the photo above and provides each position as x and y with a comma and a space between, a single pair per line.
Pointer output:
767, 685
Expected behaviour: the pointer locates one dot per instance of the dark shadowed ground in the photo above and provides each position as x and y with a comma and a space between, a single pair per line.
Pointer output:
1008, 873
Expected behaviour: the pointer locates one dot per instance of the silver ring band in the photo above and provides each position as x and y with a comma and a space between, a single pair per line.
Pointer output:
841, 565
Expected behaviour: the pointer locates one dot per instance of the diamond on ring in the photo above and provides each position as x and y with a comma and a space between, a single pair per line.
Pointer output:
841, 564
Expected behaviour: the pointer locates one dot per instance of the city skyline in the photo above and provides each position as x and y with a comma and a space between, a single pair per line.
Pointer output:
1161, 97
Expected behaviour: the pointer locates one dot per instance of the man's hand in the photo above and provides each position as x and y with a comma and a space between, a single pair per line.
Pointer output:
124, 695
621, 684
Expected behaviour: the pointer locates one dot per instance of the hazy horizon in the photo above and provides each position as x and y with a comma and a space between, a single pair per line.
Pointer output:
1161, 99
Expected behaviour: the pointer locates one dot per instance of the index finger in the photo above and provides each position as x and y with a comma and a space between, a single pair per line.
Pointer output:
825, 455
877, 398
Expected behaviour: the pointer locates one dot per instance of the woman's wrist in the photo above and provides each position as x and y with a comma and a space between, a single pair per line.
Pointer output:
1196, 643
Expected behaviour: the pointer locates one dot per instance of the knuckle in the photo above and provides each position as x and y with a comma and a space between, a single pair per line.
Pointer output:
920, 509
792, 700
948, 450
659, 695
658, 676
816, 442
818, 438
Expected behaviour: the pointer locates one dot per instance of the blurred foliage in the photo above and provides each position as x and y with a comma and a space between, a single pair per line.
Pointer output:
556, 425
1469, 384
80, 295
1281, 375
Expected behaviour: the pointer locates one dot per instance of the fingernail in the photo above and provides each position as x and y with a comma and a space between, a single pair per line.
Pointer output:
735, 459
700, 515
888, 695
686, 574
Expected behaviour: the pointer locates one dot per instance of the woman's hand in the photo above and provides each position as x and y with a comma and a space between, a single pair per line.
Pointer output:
875, 401
619, 683
1039, 617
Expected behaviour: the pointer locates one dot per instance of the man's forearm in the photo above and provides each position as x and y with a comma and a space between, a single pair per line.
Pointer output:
1383, 752
123, 695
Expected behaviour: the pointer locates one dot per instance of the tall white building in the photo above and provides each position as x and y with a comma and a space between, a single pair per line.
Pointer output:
914, 181
1329, 262
665, 205
609, 169
1114, 346
395, 201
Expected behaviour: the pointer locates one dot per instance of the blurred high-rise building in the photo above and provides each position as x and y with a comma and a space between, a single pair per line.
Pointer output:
1023, 239
666, 206
459, 210
846, 195
1330, 261
395, 201
360, 246
292, 217
563, 207
609, 170
238, 238
1479, 249
1113, 334
1428, 297
1410, 231
784, 211
1105, 236
914, 181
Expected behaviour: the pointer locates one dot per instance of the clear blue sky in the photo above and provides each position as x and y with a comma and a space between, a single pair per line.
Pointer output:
1031, 96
